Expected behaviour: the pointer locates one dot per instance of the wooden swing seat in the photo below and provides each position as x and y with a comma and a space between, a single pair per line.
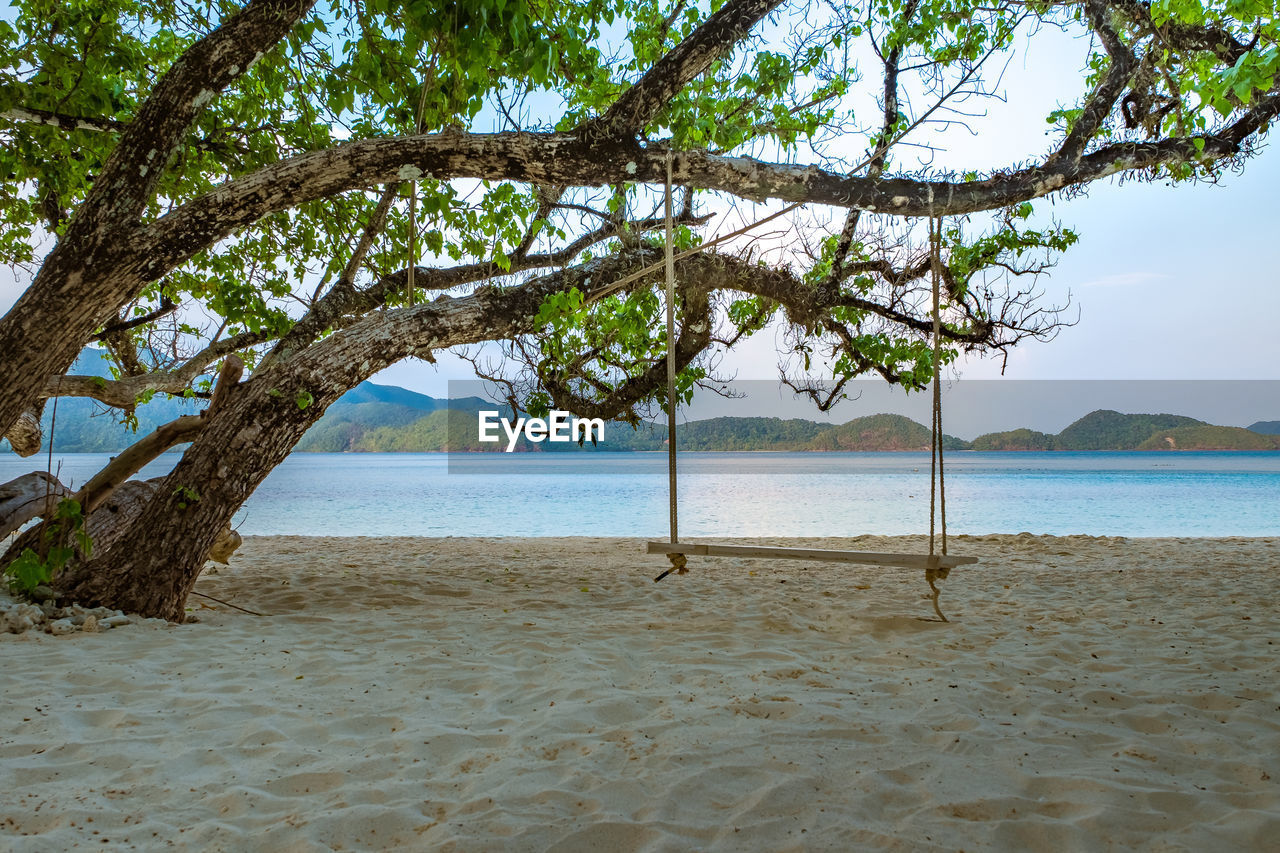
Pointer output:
867, 558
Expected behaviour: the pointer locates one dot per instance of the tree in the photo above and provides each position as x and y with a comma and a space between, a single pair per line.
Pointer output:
187, 161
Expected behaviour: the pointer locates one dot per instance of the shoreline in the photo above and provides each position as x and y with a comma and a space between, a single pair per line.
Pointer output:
544, 693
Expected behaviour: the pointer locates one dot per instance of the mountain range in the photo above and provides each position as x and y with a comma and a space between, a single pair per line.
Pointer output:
380, 427
382, 419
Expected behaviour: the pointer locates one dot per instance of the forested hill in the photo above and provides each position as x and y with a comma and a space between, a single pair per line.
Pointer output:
1109, 430
880, 433
386, 419
458, 431
381, 427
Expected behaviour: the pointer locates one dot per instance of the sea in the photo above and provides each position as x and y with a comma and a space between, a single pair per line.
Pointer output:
746, 494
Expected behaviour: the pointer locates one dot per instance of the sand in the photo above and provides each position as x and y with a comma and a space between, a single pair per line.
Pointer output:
525, 694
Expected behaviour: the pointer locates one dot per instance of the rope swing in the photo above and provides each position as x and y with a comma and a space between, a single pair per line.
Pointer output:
679, 562
937, 481
936, 565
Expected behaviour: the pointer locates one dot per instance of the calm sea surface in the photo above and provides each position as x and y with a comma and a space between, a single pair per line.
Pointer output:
749, 494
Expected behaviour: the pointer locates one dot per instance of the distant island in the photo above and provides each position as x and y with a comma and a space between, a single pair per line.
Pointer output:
1109, 430
386, 419
369, 424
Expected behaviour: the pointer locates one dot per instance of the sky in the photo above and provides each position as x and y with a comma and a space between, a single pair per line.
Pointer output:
1173, 283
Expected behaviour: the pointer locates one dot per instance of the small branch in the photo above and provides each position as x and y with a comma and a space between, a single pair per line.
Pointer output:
133, 459
326, 311
446, 279
877, 159
717, 35
62, 121
1218, 41
124, 393
167, 306
137, 455
548, 200
1104, 95
230, 373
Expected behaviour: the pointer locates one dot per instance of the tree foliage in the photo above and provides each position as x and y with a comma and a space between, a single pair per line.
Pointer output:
78, 73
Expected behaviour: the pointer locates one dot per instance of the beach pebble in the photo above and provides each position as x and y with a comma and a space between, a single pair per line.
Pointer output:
18, 616
16, 623
43, 593
58, 627
22, 617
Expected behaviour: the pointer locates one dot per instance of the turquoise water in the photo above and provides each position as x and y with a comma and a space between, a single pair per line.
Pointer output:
750, 494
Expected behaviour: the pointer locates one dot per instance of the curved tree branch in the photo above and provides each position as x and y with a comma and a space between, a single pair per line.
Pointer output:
348, 301
1107, 91
678, 67
124, 393
621, 399
566, 159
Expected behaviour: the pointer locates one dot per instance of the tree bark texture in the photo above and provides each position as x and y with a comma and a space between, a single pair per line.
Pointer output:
25, 436
27, 497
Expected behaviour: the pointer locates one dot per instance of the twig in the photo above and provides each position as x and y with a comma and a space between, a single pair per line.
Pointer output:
229, 604
636, 276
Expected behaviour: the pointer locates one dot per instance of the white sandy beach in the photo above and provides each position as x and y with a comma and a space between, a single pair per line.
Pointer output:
525, 694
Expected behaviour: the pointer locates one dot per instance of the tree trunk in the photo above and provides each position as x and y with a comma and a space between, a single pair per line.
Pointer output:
151, 568
115, 514
153, 564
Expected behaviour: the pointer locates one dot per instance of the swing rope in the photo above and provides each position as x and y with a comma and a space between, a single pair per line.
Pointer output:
679, 562
937, 481
410, 286
671, 358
